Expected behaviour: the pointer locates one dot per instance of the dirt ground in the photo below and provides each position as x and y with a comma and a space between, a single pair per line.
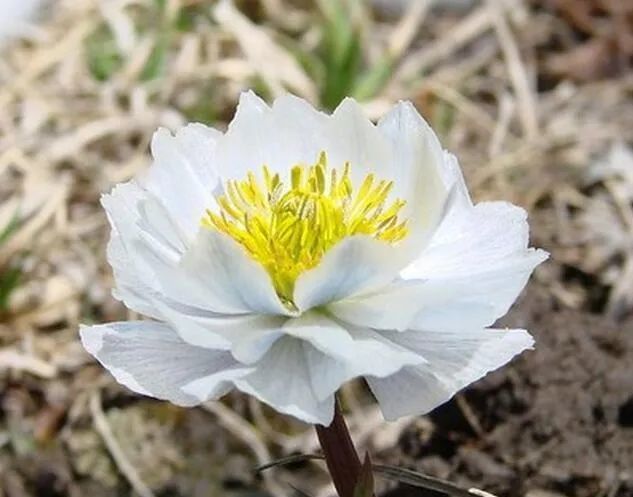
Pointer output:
535, 97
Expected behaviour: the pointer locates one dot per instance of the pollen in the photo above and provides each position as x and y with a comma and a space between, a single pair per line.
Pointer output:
288, 226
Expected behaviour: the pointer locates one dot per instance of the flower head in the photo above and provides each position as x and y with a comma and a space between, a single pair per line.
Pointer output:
300, 250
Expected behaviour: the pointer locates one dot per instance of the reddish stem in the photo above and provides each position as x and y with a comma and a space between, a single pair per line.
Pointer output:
340, 454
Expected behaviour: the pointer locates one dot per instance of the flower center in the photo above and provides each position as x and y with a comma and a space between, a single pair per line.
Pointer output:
288, 228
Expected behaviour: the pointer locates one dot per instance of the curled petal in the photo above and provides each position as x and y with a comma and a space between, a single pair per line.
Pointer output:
475, 266
417, 162
183, 175
355, 139
248, 337
370, 354
132, 288
136, 282
292, 132
356, 264
454, 360
476, 300
224, 269
282, 380
151, 359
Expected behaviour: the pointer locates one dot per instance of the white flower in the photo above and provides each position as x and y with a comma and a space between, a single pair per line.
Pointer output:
300, 250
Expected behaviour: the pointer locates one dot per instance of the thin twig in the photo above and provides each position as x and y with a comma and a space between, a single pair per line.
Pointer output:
244, 431
121, 461
469, 414
516, 70
419, 61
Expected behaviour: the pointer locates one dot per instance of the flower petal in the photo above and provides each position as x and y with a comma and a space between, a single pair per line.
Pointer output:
471, 238
480, 299
183, 174
151, 359
474, 267
321, 332
132, 288
224, 269
334, 354
156, 223
214, 275
248, 337
454, 361
482, 252
416, 162
370, 353
355, 139
440, 304
289, 133
282, 380
392, 307
356, 264
135, 279
146, 255
293, 132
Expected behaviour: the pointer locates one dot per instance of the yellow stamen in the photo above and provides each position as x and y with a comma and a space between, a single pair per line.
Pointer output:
288, 228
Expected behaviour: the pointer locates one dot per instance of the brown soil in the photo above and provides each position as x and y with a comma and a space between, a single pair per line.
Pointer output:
559, 419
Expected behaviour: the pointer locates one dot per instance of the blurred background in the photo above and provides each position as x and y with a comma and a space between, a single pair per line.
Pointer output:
533, 96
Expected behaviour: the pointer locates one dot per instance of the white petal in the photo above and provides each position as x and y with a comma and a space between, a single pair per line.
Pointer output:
282, 380
137, 215
248, 337
481, 253
454, 361
146, 268
321, 332
150, 358
473, 238
334, 354
214, 385
453, 180
473, 269
371, 354
183, 287
356, 264
302, 131
355, 139
224, 269
145, 251
392, 307
244, 146
417, 162
292, 132
440, 304
183, 174
481, 299
411, 391
156, 223
135, 280
197, 142
215, 275
131, 287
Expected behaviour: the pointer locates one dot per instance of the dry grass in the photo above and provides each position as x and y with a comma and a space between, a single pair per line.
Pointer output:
538, 114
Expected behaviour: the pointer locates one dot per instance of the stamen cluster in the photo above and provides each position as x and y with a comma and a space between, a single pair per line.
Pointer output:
289, 227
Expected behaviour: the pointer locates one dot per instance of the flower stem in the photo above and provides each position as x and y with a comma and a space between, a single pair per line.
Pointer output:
340, 454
